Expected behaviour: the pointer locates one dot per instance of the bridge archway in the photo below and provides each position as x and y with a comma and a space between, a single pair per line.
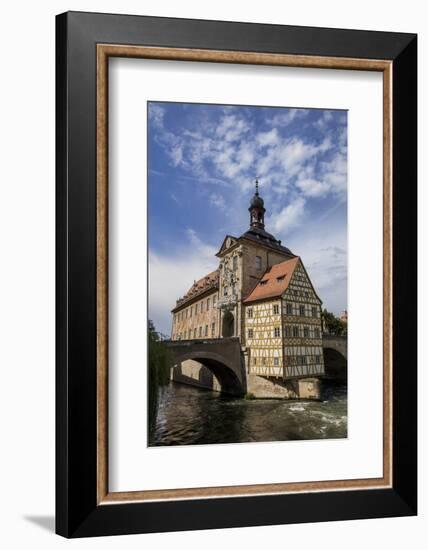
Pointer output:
335, 365
335, 357
228, 325
221, 357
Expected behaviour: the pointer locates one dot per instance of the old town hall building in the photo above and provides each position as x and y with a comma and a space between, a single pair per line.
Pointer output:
262, 294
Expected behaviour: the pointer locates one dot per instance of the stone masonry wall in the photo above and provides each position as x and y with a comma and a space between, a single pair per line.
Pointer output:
195, 374
271, 388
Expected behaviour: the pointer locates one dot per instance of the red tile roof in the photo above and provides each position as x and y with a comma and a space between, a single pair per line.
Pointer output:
208, 282
274, 282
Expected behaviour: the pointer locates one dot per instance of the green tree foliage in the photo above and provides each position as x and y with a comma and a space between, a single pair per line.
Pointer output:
159, 372
333, 324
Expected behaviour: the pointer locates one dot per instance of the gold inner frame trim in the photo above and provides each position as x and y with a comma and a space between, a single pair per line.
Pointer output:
104, 51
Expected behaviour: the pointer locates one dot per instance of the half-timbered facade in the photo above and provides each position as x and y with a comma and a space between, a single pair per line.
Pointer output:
262, 294
283, 321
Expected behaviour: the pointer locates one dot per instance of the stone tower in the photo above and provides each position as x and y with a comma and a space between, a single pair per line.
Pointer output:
243, 260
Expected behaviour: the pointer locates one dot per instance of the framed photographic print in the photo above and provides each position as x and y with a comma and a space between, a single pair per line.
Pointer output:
236, 274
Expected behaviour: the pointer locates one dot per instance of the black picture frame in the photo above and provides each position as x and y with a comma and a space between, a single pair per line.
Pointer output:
77, 511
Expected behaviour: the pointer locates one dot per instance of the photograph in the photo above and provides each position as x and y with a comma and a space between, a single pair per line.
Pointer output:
212, 274
247, 273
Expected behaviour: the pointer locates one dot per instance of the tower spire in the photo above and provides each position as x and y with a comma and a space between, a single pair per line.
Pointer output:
257, 209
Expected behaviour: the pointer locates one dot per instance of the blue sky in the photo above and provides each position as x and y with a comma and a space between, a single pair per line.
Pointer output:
202, 163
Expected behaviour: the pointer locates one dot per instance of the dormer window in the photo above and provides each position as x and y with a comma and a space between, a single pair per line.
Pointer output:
280, 278
263, 282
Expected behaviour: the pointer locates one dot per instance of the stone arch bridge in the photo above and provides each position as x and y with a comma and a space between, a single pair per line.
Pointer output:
335, 356
224, 362
221, 356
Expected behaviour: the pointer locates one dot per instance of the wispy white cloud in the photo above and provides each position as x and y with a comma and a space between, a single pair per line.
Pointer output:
232, 127
288, 158
295, 153
323, 249
203, 249
286, 117
154, 172
230, 151
301, 161
268, 138
324, 119
204, 179
290, 217
312, 187
335, 173
171, 275
156, 114
176, 154
217, 200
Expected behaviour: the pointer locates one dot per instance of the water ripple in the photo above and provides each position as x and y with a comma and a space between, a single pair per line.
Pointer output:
191, 416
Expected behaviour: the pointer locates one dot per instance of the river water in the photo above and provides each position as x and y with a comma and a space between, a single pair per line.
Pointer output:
191, 416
